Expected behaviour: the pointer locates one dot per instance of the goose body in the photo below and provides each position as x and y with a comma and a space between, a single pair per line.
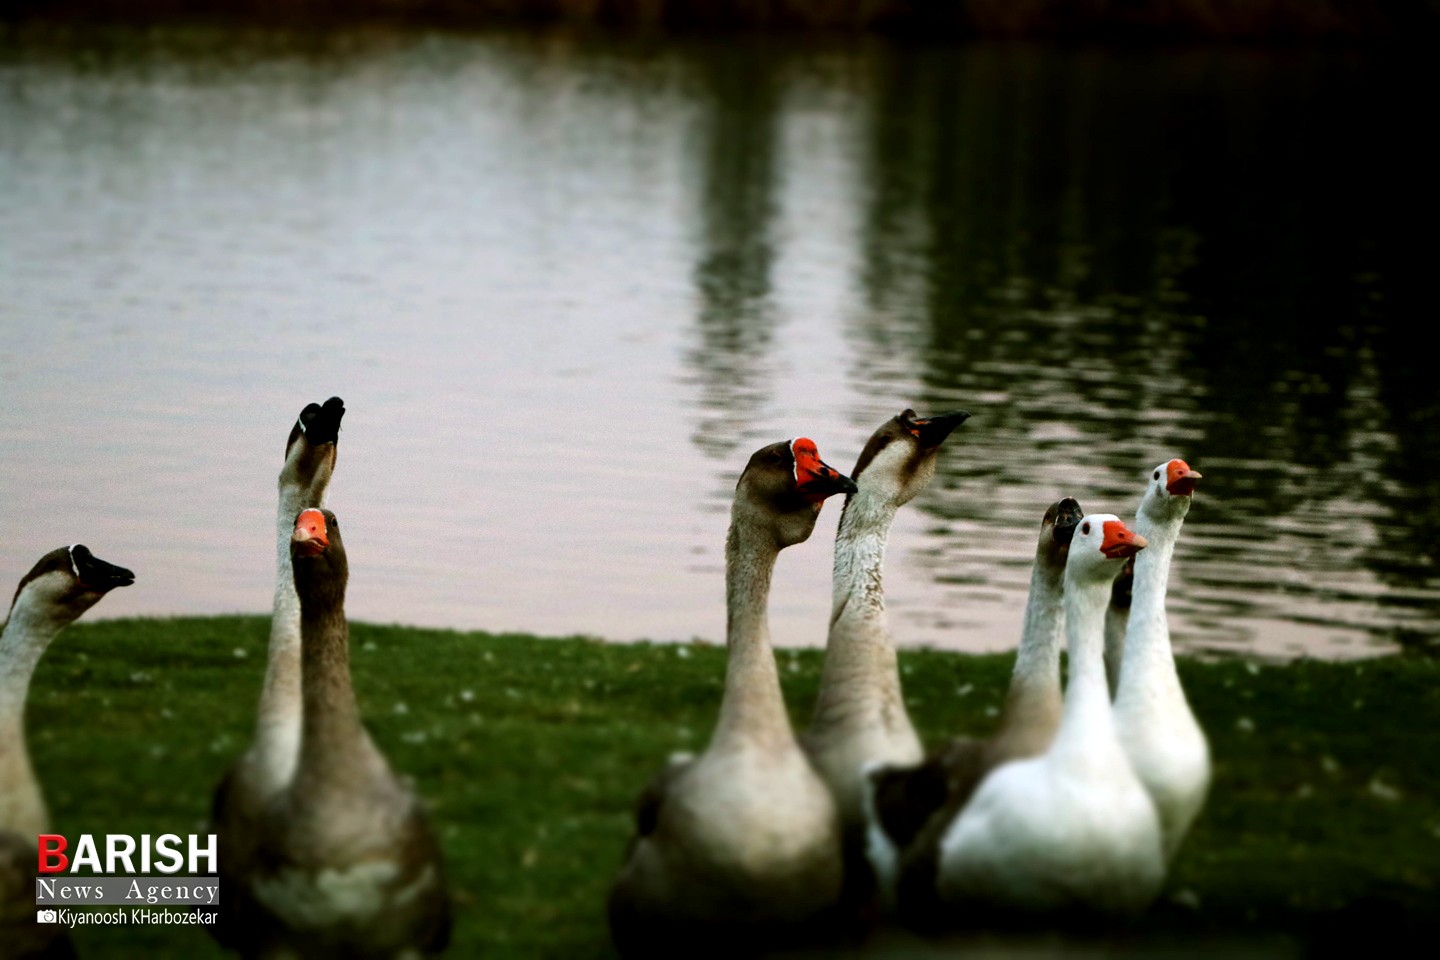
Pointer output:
860, 718
738, 849
21, 938
1071, 831
57, 590
915, 806
268, 764
346, 864
1160, 734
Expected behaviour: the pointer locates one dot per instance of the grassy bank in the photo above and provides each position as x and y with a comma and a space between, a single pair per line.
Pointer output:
1140, 19
1324, 817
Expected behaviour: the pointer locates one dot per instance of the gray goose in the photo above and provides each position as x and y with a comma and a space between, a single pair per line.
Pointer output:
860, 718
346, 863
58, 589
738, 850
268, 764
912, 807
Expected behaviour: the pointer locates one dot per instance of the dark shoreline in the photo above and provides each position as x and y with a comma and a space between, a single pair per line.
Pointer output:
1141, 21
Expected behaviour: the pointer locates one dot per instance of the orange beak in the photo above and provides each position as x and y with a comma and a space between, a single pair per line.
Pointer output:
1120, 541
1180, 479
310, 533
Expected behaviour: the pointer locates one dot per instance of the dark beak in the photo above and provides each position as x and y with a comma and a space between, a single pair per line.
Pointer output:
325, 428
1067, 516
96, 574
934, 430
826, 482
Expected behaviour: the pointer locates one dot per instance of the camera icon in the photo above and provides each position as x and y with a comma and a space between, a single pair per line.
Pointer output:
46, 916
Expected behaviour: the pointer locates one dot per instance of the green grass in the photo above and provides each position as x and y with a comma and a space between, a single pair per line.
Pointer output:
1325, 808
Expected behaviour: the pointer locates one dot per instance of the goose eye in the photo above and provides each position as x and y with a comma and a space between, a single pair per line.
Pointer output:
1085, 530
1156, 475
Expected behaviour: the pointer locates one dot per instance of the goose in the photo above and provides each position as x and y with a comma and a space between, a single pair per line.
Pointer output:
860, 717
1161, 737
1070, 833
346, 864
58, 589
738, 849
268, 764
910, 808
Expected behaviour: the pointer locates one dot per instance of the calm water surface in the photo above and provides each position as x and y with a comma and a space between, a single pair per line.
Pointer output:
566, 288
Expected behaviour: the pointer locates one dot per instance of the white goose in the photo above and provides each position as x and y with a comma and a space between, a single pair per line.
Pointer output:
860, 717
1071, 831
738, 849
1165, 744
57, 590
267, 767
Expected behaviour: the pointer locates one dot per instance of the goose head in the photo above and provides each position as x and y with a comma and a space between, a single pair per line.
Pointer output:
1057, 529
66, 582
783, 487
317, 555
1099, 548
310, 451
899, 459
1168, 491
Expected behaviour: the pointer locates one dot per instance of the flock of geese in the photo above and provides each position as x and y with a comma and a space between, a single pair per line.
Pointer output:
766, 841
1068, 816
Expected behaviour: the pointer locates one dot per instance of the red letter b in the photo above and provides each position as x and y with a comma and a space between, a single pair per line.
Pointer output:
52, 857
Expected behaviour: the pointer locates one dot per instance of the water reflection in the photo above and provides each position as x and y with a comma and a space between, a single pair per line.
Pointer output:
512, 253
1123, 257
736, 160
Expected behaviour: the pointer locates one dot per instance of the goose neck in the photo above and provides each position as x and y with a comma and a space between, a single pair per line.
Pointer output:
860, 556
1148, 660
333, 740
22, 643
292, 501
1117, 622
753, 708
860, 679
1037, 660
1086, 721
277, 723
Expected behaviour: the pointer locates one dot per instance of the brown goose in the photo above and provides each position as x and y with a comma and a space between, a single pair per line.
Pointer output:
738, 850
912, 807
346, 864
57, 590
267, 766
860, 716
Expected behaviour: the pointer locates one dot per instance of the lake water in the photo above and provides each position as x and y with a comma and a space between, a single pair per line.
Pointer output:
565, 287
